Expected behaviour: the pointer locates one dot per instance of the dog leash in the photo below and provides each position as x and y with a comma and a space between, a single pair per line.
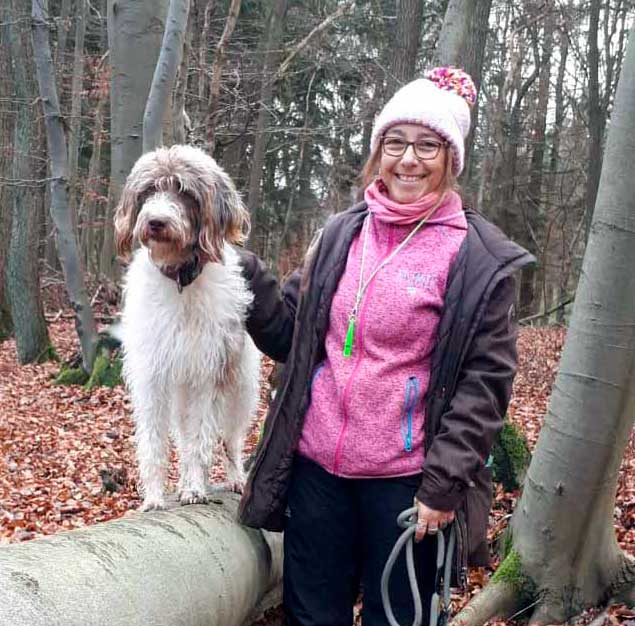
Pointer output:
439, 611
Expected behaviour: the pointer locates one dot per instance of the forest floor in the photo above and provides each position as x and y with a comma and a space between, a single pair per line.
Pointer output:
54, 441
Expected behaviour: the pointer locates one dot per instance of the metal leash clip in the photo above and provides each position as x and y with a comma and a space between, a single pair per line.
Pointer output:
439, 604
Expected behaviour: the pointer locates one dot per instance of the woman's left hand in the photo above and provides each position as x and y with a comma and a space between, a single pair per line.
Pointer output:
429, 520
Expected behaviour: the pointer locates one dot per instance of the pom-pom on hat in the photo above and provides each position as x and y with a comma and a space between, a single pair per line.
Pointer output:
440, 101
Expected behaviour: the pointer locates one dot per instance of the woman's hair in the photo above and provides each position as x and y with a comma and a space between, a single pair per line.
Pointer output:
371, 169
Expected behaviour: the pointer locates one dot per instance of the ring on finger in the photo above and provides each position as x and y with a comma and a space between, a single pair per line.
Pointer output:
432, 530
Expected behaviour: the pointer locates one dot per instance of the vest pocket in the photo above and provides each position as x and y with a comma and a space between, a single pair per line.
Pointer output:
407, 414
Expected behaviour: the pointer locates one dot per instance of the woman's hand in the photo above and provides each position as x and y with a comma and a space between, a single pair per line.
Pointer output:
429, 521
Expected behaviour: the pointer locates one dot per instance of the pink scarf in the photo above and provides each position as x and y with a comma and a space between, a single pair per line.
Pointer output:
387, 210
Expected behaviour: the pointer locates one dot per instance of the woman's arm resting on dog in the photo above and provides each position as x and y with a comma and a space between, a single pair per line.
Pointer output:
271, 317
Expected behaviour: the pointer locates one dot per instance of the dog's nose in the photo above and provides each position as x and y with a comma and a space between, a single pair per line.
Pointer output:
156, 226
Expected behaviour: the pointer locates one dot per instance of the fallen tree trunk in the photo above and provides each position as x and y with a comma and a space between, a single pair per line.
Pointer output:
188, 566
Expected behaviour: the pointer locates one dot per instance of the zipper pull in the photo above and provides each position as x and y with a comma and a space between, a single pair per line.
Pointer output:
350, 335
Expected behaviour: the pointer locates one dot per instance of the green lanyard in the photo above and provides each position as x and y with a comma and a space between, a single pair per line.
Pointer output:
362, 286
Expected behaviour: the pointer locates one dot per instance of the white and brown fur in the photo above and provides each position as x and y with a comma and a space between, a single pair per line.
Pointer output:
191, 369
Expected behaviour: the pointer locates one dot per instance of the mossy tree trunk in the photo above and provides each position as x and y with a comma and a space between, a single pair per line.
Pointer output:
564, 554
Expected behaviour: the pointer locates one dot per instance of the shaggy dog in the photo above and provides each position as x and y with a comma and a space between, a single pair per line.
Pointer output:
191, 369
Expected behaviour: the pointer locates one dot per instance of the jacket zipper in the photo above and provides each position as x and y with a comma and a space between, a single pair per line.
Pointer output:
359, 348
409, 406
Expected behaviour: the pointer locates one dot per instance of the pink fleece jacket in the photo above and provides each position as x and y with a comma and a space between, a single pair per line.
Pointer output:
366, 414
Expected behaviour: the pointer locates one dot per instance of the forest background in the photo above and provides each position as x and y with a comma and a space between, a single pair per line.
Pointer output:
283, 94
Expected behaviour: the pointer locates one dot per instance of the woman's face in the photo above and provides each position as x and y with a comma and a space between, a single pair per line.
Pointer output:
409, 177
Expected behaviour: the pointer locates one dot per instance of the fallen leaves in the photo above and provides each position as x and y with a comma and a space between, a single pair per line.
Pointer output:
59, 447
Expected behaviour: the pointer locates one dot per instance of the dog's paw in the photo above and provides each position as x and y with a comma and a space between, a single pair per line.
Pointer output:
236, 486
192, 496
152, 504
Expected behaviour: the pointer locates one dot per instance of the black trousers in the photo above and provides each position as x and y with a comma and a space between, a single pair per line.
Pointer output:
338, 536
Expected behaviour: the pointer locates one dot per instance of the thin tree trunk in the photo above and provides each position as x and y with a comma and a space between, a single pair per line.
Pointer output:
63, 26
533, 209
160, 96
203, 81
554, 160
7, 123
594, 158
462, 44
76, 107
22, 271
564, 553
66, 241
181, 123
88, 203
217, 69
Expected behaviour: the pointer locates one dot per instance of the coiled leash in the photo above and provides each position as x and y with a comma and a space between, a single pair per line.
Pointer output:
439, 613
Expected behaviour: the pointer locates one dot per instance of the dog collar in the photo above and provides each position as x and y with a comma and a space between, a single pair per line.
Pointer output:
186, 273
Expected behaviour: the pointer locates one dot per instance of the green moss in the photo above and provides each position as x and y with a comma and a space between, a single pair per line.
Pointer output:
71, 376
510, 572
510, 457
48, 354
106, 371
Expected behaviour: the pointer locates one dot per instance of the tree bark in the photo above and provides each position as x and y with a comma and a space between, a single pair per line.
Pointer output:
88, 204
7, 123
533, 277
135, 32
563, 539
65, 238
23, 276
462, 44
160, 97
405, 46
189, 566
76, 107
596, 126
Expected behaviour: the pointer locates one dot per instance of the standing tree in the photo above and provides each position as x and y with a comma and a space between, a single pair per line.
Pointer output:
22, 271
135, 32
562, 552
65, 238
6, 139
405, 45
462, 43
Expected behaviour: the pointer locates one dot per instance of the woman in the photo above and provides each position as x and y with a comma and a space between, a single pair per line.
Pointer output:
398, 337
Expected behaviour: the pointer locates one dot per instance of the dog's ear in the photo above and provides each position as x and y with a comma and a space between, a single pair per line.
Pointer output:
125, 218
223, 217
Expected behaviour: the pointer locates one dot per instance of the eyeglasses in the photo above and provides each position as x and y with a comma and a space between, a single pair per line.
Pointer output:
424, 149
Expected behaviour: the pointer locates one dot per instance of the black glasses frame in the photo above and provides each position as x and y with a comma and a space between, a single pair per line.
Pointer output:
407, 144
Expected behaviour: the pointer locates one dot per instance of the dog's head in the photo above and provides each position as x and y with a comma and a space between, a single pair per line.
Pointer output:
175, 200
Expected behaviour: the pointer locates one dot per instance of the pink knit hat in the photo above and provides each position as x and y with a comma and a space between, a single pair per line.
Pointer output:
441, 101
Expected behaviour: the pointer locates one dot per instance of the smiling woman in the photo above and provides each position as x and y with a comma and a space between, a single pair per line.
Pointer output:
386, 399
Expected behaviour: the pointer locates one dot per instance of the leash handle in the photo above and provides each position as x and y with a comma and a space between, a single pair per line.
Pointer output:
407, 520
